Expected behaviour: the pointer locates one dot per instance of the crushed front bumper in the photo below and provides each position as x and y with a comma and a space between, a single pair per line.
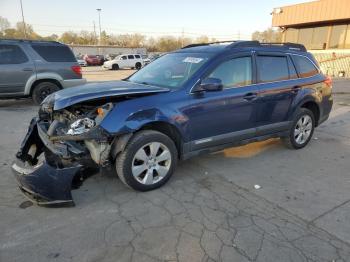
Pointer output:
49, 182
46, 185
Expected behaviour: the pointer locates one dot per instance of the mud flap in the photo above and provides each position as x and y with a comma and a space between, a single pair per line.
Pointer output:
46, 185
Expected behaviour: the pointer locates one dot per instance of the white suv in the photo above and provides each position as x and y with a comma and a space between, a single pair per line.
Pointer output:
125, 61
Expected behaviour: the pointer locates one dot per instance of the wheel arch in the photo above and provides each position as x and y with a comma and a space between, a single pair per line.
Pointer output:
167, 129
38, 81
314, 108
163, 127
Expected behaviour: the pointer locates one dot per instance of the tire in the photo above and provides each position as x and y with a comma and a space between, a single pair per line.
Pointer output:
42, 90
115, 67
141, 175
299, 140
138, 66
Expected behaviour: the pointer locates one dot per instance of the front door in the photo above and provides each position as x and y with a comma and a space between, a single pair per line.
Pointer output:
15, 68
221, 117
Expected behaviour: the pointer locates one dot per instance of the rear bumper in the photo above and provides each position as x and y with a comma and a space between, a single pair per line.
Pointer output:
73, 82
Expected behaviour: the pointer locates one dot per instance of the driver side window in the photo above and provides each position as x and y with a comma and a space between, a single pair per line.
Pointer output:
235, 72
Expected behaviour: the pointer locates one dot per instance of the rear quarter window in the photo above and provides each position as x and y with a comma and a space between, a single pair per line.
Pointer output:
54, 53
304, 66
272, 68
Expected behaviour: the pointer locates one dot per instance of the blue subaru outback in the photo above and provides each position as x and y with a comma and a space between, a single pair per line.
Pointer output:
199, 99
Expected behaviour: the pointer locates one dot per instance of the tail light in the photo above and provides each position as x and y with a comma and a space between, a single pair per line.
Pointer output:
76, 69
328, 81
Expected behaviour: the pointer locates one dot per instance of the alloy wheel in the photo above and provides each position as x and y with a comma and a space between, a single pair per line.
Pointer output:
303, 129
151, 163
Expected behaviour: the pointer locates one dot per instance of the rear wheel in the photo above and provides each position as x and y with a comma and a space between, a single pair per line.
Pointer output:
138, 66
115, 67
148, 161
302, 129
42, 90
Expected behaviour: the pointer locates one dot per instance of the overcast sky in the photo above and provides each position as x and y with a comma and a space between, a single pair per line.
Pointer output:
222, 19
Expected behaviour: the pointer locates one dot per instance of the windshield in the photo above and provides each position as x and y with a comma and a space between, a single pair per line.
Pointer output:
171, 70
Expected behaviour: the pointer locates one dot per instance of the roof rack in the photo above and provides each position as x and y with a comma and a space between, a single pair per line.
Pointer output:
211, 43
288, 45
29, 40
253, 43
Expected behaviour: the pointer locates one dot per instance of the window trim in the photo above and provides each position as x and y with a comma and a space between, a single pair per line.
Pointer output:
272, 54
230, 57
22, 50
296, 69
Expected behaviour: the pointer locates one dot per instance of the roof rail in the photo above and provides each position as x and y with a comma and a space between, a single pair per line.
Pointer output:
211, 43
252, 43
29, 40
288, 45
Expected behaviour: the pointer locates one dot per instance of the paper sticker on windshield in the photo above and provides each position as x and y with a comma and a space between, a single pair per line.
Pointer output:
193, 60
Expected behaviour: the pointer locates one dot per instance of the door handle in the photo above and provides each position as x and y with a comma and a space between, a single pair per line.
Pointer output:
250, 96
27, 69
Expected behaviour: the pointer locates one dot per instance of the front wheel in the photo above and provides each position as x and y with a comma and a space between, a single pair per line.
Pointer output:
301, 130
148, 161
115, 67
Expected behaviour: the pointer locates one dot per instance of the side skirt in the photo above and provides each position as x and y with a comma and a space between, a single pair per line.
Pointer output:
211, 149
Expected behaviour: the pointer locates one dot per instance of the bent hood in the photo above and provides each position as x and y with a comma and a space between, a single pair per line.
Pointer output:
91, 91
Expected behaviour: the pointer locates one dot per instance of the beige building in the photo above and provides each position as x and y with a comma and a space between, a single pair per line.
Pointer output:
322, 24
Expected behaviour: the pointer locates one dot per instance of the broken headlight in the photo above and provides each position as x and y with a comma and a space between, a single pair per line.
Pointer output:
84, 125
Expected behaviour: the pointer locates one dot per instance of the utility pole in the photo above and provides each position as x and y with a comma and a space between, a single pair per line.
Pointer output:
99, 20
182, 37
24, 24
95, 37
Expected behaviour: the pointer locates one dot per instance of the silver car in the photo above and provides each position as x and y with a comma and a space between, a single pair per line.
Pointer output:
36, 68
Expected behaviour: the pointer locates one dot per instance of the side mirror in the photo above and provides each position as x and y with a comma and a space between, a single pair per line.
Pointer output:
210, 85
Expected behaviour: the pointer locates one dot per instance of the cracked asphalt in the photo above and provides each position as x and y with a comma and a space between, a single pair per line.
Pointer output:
208, 211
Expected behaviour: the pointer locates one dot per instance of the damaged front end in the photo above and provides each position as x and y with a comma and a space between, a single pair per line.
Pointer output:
59, 150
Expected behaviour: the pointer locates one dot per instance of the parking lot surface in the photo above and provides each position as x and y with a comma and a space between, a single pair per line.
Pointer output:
259, 202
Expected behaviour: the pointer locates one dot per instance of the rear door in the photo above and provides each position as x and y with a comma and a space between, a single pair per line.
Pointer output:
15, 67
131, 61
276, 78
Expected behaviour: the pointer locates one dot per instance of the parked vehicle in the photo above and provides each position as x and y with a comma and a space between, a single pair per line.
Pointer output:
101, 59
125, 61
92, 60
110, 57
81, 61
36, 68
151, 58
200, 99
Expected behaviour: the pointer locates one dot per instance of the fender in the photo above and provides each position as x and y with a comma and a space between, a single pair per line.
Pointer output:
40, 76
135, 121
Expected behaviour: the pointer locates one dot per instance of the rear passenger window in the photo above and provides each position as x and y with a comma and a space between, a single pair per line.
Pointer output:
54, 53
130, 57
12, 54
272, 68
304, 66
234, 73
